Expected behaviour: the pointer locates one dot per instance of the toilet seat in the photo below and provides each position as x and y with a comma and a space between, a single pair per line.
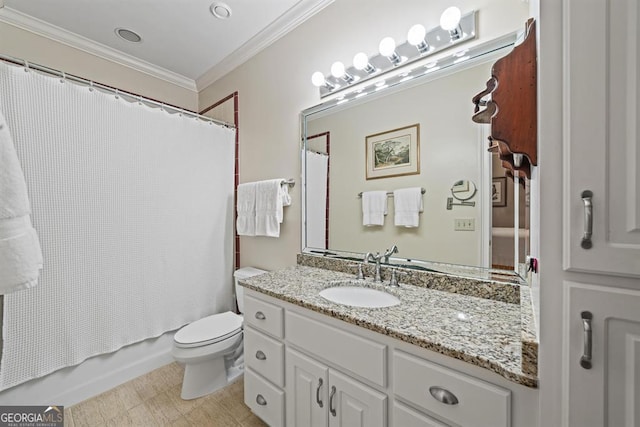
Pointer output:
209, 330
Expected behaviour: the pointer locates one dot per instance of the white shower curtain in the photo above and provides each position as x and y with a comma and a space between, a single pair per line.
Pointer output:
316, 199
134, 210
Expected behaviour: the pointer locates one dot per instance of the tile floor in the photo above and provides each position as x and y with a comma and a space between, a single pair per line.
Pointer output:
154, 400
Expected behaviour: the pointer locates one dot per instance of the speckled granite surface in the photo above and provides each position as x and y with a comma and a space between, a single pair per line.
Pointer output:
499, 291
480, 331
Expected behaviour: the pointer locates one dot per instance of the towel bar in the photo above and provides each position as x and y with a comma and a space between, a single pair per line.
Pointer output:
390, 193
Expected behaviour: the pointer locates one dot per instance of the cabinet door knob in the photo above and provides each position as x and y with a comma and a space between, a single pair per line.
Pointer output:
587, 199
331, 396
443, 395
318, 400
260, 400
260, 315
260, 355
585, 360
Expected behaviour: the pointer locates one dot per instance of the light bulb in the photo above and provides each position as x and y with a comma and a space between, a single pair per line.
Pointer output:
337, 69
416, 35
450, 18
387, 46
360, 61
317, 79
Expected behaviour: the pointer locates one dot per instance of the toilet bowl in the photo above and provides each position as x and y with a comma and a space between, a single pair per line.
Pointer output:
211, 348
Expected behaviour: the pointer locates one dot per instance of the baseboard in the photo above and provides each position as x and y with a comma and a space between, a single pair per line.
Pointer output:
96, 375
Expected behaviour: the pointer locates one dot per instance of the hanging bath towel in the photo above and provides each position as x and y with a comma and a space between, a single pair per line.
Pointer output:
374, 207
270, 199
407, 206
246, 206
20, 253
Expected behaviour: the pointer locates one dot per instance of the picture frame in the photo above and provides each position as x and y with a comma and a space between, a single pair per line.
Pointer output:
393, 153
499, 192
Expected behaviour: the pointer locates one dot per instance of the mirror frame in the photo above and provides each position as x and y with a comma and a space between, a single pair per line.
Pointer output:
481, 53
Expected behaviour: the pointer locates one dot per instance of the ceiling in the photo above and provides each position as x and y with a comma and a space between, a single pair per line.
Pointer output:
182, 41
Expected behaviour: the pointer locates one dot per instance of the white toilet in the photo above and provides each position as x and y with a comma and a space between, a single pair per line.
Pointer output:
211, 348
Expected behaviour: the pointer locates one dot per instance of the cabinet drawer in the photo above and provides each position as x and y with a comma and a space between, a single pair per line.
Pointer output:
406, 417
265, 400
263, 316
479, 403
363, 357
264, 355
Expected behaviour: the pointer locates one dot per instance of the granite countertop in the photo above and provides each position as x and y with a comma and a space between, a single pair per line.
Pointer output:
480, 331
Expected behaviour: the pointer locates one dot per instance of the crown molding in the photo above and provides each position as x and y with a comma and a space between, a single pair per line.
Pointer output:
295, 16
41, 28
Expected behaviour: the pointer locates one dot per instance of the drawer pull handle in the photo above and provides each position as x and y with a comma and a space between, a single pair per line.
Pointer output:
260, 400
318, 401
260, 315
585, 360
331, 396
587, 199
260, 355
443, 395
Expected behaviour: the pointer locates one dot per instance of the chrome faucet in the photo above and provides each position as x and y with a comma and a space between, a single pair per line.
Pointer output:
389, 252
377, 257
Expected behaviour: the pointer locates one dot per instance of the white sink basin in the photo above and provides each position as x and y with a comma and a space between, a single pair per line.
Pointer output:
358, 296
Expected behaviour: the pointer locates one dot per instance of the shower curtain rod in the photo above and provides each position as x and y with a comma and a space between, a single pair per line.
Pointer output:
90, 83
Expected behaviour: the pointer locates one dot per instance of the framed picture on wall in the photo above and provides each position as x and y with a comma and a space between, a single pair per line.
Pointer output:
499, 192
393, 153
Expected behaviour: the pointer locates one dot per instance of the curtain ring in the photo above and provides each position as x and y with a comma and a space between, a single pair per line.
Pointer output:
26, 66
117, 94
91, 86
63, 78
139, 100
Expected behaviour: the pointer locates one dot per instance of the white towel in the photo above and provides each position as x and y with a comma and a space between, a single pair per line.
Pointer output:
270, 198
20, 252
246, 207
407, 204
374, 207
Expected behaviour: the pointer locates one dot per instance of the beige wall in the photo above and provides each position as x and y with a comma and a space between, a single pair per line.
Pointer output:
40, 50
275, 86
450, 147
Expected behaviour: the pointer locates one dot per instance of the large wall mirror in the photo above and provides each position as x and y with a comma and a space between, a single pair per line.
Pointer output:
458, 229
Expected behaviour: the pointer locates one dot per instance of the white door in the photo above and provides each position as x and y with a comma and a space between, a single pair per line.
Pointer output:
307, 391
602, 136
352, 404
602, 364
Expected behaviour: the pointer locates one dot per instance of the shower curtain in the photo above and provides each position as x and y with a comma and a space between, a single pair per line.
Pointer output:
317, 195
134, 209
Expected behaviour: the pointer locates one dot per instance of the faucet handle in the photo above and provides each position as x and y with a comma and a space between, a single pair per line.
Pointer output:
360, 273
393, 282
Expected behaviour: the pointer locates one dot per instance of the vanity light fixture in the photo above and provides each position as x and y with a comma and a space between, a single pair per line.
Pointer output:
387, 48
415, 37
318, 80
450, 21
391, 59
361, 62
338, 71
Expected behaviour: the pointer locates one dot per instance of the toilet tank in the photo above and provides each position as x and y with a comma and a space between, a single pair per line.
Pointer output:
244, 273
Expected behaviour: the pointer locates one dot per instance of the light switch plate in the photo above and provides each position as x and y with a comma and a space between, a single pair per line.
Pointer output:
464, 224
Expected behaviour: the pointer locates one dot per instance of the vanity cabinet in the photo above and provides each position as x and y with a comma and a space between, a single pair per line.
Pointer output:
264, 360
304, 368
321, 396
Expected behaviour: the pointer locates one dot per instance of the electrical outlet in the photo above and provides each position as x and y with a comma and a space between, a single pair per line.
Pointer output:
464, 224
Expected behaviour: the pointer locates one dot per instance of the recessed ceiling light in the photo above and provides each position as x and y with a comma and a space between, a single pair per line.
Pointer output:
220, 10
128, 35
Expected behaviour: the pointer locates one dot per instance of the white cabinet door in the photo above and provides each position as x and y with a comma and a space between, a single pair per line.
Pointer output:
602, 135
307, 391
607, 394
352, 404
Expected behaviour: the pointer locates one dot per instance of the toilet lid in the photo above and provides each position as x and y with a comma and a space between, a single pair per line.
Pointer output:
209, 329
